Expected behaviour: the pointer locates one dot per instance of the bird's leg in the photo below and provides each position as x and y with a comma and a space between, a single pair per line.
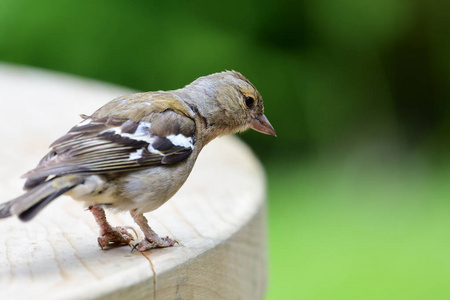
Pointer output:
110, 235
151, 240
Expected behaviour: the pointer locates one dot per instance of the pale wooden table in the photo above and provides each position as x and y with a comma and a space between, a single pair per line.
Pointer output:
218, 216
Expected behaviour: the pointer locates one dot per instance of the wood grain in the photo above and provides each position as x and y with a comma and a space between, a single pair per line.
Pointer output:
218, 216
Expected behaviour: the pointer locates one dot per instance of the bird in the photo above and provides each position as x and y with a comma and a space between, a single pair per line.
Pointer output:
136, 151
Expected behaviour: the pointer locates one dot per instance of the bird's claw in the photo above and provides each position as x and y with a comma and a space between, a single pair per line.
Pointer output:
147, 244
117, 236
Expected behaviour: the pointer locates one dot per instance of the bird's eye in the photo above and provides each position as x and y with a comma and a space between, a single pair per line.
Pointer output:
249, 102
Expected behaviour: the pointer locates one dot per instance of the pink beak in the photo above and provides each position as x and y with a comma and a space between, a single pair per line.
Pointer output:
261, 124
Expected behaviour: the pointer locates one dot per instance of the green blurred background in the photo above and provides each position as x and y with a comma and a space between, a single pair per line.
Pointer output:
358, 92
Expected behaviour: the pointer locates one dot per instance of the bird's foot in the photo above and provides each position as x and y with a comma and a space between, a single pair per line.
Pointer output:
116, 236
147, 244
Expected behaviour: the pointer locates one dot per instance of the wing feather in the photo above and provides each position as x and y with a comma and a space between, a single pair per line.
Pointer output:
115, 144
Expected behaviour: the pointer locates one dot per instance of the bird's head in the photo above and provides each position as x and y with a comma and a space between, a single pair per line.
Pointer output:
230, 103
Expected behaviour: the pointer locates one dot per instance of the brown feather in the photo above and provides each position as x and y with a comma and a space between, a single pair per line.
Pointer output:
107, 144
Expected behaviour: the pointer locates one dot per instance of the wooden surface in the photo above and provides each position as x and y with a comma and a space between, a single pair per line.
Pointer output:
218, 216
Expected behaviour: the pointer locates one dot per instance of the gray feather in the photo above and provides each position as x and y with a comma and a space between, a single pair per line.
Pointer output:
30, 203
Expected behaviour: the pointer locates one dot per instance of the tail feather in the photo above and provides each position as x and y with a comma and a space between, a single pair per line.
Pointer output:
31, 212
5, 209
35, 199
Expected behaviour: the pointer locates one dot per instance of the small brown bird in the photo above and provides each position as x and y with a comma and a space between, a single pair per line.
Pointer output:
135, 152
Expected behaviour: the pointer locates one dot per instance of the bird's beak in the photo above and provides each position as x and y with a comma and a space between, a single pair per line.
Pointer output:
261, 124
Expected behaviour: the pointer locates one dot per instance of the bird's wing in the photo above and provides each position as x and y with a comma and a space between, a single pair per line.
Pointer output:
117, 144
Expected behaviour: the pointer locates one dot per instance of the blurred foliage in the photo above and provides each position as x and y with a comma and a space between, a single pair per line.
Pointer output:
359, 232
334, 74
364, 83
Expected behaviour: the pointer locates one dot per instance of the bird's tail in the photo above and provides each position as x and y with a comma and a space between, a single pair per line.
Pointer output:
35, 199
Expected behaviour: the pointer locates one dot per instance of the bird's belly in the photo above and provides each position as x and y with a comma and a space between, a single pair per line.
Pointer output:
143, 190
148, 189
